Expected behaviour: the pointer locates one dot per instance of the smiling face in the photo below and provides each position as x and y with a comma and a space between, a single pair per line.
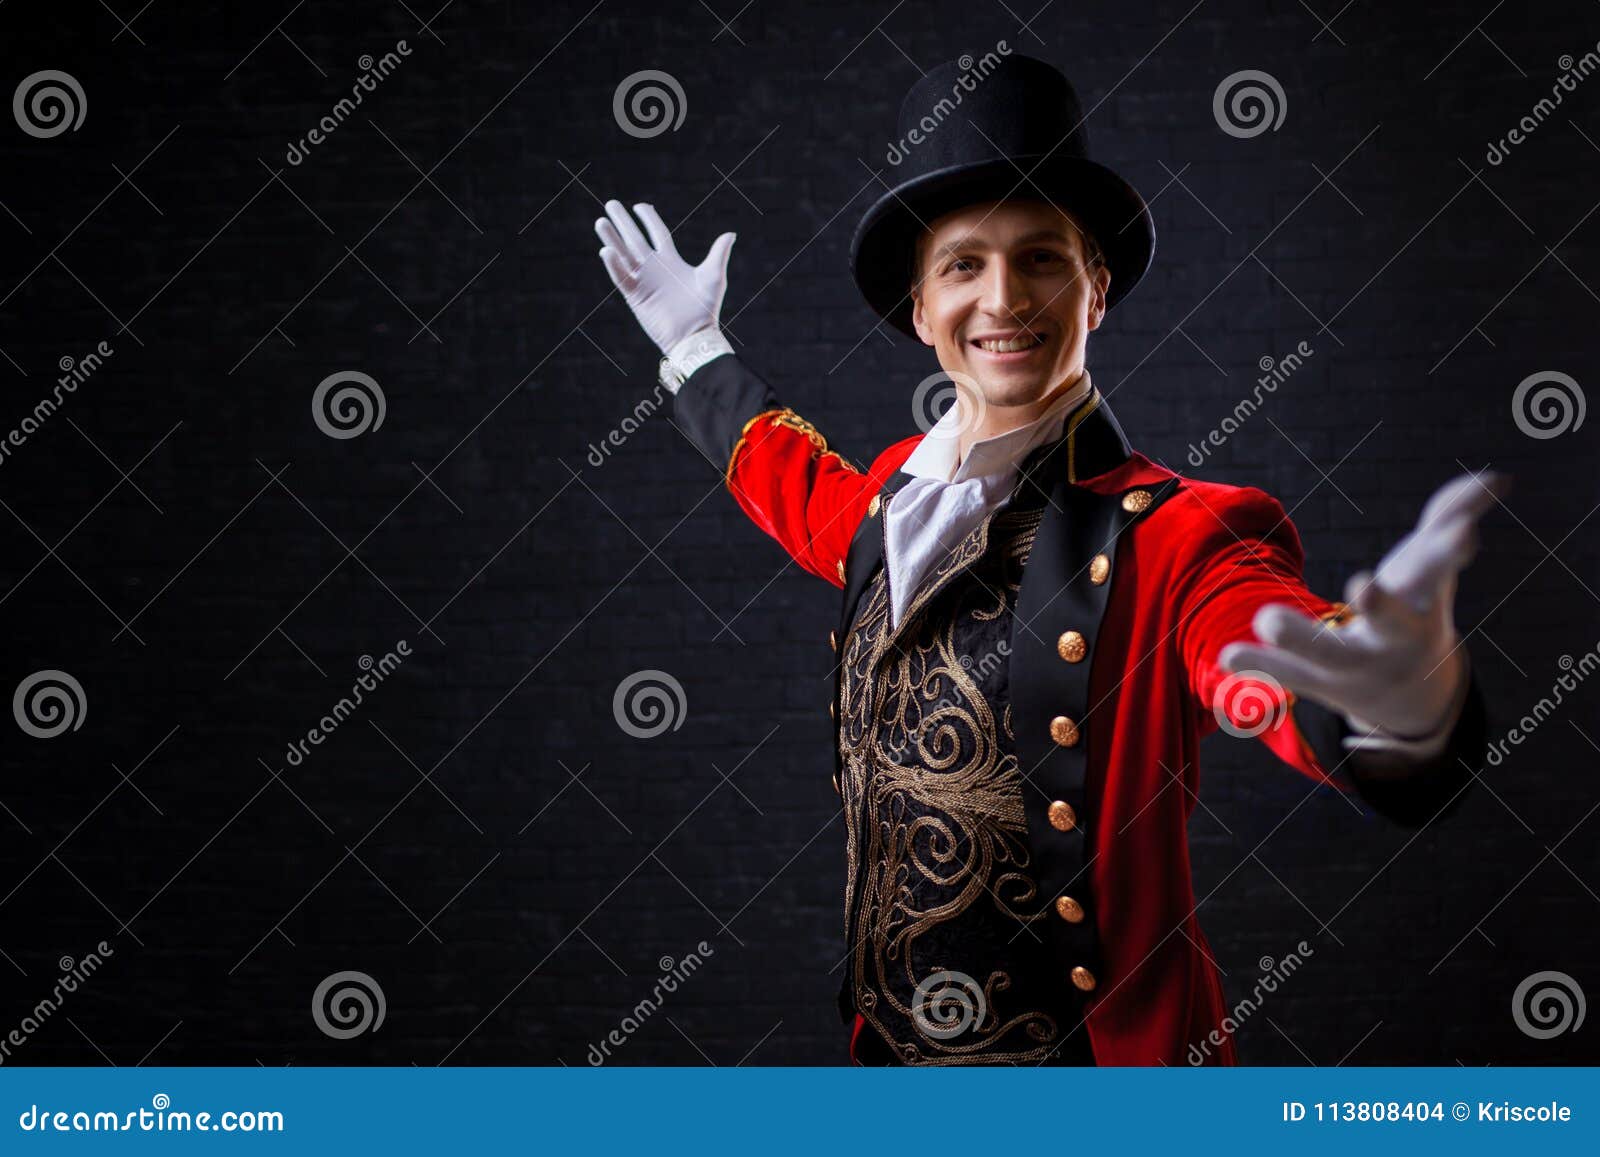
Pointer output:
1006, 296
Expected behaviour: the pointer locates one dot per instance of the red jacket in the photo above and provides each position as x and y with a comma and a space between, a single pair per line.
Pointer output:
1189, 575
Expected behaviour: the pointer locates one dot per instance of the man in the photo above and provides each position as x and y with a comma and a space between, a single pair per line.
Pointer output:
1040, 623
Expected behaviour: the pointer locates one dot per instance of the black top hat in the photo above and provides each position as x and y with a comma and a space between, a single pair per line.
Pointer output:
1001, 127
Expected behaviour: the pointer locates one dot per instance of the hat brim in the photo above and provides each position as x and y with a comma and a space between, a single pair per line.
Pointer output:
882, 249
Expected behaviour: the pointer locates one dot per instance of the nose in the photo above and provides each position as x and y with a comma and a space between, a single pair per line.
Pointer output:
1006, 291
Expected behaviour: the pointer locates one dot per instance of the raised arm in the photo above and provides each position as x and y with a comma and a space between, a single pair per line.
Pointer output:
774, 462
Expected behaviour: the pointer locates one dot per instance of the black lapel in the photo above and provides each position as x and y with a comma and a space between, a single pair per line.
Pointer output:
866, 553
1066, 586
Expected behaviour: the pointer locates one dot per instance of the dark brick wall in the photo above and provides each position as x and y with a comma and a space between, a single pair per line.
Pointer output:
480, 837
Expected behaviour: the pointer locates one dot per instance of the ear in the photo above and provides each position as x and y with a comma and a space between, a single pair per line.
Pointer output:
919, 320
1099, 283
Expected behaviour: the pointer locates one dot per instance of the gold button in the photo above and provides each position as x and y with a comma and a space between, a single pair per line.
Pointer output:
1072, 912
1064, 731
833, 640
1072, 647
1099, 569
833, 712
1136, 500
1062, 817
836, 783
874, 506
1083, 978
841, 570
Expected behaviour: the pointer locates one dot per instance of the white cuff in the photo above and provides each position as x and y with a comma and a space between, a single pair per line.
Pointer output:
688, 355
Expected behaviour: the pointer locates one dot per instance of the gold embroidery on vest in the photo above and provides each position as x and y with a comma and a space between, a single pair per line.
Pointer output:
904, 711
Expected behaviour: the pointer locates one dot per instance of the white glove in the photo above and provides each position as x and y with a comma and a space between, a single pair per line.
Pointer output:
671, 298
1397, 665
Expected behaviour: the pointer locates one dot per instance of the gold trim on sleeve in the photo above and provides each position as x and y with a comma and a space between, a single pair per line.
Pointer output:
727, 473
1339, 616
786, 417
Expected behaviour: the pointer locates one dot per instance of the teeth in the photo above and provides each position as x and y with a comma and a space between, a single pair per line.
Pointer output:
1012, 346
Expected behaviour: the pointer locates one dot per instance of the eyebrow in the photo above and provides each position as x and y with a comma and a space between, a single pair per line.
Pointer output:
950, 247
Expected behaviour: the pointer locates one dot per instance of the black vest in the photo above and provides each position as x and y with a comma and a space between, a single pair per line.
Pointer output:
949, 959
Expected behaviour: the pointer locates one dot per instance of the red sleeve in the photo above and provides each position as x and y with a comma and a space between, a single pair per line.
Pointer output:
1240, 552
803, 494
778, 467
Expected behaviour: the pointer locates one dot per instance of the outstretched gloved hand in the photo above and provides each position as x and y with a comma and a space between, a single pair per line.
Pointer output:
1397, 665
671, 299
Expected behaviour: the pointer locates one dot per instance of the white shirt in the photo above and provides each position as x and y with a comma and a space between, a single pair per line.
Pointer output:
946, 499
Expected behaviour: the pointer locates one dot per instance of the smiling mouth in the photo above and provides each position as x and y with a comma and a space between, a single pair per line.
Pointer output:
1009, 345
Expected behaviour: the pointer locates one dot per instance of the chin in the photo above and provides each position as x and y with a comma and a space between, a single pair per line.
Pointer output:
1013, 393
1018, 389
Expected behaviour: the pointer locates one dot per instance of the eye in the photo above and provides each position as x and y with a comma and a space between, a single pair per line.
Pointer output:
960, 265
1044, 257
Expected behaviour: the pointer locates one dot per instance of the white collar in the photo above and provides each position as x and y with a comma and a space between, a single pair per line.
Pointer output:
935, 455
